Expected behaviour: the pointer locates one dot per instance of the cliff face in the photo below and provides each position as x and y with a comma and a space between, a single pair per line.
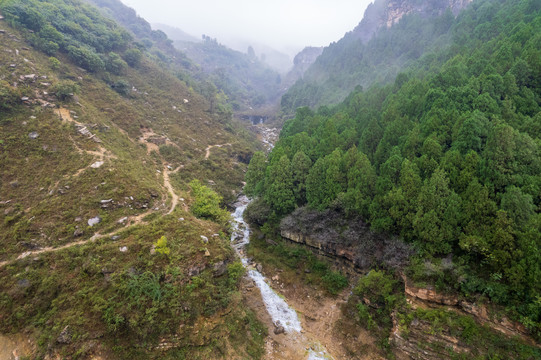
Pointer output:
350, 243
301, 63
389, 12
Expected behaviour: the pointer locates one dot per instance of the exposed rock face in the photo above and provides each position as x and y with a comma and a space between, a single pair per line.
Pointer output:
414, 345
389, 12
301, 63
350, 243
480, 313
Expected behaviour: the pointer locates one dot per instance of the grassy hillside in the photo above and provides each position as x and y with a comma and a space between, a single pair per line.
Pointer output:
94, 133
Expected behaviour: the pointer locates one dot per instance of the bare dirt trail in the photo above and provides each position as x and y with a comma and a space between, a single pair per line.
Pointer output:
130, 221
207, 150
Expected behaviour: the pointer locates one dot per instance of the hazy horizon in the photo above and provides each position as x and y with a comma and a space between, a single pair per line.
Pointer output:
286, 26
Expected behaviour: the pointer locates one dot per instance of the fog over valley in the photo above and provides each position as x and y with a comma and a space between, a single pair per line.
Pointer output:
287, 26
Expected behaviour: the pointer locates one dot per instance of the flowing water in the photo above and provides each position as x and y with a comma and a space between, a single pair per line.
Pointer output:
280, 312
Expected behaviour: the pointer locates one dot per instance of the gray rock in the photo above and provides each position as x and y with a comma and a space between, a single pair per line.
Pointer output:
123, 249
65, 336
94, 221
33, 135
97, 164
23, 283
78, 233
106, 201
278, 328
205, 239
220, 268
115, 237
259, 267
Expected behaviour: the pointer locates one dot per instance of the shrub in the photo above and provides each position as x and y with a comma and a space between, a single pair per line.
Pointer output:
161, 246
122, 87
207, 204
133, 57
54, 63
65, 89
9, 96
86, 58
115, 64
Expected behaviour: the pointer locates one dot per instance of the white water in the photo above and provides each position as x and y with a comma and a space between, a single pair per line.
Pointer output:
280, 312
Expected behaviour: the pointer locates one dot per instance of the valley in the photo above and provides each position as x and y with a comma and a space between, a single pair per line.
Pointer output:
170, 198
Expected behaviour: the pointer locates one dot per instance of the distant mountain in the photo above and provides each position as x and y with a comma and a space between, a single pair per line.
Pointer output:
175, 33
244, 78
392, 34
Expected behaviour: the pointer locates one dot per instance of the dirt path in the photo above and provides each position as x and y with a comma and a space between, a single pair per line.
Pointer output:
99, 155
167, 184
207, 150
130, 221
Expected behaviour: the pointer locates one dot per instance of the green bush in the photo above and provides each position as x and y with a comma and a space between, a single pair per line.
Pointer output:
65, 89
54, 63
133, 57
161, 246
9, 96
207, 204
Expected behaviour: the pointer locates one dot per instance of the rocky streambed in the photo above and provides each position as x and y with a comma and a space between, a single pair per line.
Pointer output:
284, 318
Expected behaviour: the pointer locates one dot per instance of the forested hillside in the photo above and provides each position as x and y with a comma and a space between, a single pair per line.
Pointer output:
362, 59
113, 242
448, 156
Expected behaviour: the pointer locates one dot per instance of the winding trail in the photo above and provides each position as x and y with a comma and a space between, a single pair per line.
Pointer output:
207, 150
131, 220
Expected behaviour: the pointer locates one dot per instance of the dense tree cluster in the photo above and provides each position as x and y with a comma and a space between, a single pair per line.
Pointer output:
448, 157
90, 40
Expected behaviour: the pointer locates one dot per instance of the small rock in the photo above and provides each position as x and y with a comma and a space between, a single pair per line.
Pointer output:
205, 239
207, 253
33, 135
78, 219
23, 283
78, 233
123, 220
275, 278
115, 237
307, 271
106, 201
65, 336
94, 221
123, 249
220, 268
97, 164
259, 267
279, 329
180, 219
14, 184
186, 101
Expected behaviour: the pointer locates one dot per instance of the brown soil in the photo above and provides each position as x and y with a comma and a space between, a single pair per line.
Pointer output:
322, 322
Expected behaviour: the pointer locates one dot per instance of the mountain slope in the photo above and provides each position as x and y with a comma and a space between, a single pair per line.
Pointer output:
101, 254
390, 37
448, 159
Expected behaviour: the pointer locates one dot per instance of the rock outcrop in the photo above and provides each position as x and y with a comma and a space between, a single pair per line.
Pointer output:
386, 13
350, 243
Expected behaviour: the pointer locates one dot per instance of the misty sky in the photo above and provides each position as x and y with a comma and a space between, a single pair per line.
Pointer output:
286, 25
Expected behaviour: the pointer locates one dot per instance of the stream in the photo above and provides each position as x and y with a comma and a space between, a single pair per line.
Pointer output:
281, 313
